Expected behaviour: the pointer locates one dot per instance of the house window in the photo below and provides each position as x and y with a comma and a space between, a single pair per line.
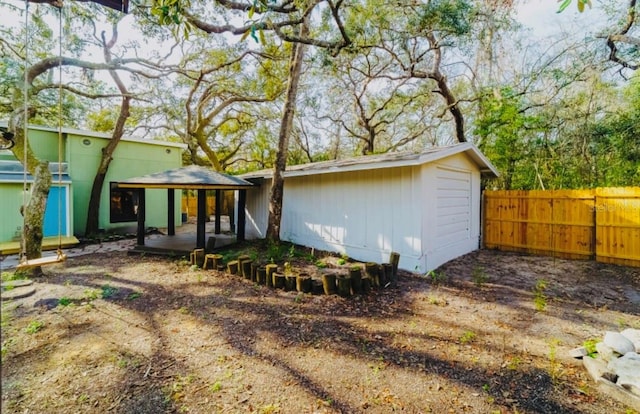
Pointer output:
123, 204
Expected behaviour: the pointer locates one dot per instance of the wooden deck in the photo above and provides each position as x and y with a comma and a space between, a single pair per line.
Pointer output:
180, 244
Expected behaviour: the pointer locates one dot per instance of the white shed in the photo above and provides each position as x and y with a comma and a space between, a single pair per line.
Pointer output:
425, 206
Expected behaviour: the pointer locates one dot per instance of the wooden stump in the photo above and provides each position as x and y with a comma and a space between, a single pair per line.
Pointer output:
366, 285
254, 271
303, 283
232, 267
197, 257
214, 259
329, 283
355, 274
246, 268
278, 280
372, 270
271, 269
217, 261
317, 287
261, 275
343, 285
211, 243
386, 274
394, 259
290, 282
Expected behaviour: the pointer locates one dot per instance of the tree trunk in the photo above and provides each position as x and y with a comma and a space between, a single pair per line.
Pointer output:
34, 213
286, 126
93, 209
36, 202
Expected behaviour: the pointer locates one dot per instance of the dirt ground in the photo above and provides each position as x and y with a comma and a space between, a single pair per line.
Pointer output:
486, 333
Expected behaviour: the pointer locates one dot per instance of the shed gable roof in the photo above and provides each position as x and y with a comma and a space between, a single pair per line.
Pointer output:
389, 160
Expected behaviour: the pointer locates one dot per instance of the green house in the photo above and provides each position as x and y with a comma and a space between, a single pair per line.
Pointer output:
74, 157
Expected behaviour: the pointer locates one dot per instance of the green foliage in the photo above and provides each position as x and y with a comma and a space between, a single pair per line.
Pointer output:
91, 294
539, 298
437, 278
590, 347
534, 149
275, 251
64, 301
479, 276
467, 337
452, 16
503, 128
580, 4
216, 386
34, 326
108, 291
9, 276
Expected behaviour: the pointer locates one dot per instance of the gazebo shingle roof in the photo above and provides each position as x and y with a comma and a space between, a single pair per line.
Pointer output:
191, 177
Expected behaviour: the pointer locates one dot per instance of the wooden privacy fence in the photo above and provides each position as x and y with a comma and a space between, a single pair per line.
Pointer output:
190, 203
601, 224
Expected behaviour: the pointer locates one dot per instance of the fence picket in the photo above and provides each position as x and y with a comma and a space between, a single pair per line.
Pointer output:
602, 223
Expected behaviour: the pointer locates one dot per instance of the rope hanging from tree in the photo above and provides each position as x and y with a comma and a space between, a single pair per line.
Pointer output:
60, 256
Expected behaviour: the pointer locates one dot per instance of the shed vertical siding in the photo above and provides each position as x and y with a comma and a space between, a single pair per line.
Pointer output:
363, 214
257, 210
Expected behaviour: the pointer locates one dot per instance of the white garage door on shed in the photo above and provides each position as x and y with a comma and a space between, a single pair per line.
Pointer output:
453, 207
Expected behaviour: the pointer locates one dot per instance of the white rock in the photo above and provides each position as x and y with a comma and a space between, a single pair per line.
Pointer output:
579, 352
605, 351
618, 342
634, 336
627, 368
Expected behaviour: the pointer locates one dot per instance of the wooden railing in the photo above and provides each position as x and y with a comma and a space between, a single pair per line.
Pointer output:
601, 224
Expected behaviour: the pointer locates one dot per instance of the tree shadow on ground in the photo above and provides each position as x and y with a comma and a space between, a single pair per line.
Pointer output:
312, 323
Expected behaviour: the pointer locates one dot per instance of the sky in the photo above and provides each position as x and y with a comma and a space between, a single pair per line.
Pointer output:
542, 17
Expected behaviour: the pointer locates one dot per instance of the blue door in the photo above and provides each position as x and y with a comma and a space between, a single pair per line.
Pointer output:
55, 215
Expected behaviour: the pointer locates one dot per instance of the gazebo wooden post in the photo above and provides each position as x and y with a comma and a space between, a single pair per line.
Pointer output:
242, 201
171, 211
218, 211
141, 216
201, 222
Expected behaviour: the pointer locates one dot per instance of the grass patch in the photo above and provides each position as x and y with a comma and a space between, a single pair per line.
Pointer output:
64, 301
539, 298
437, 278
108, 291
9, 276
467, 337
479, 276
34, 326
590, 347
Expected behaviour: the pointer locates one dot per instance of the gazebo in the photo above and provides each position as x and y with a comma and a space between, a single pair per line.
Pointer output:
192, 177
